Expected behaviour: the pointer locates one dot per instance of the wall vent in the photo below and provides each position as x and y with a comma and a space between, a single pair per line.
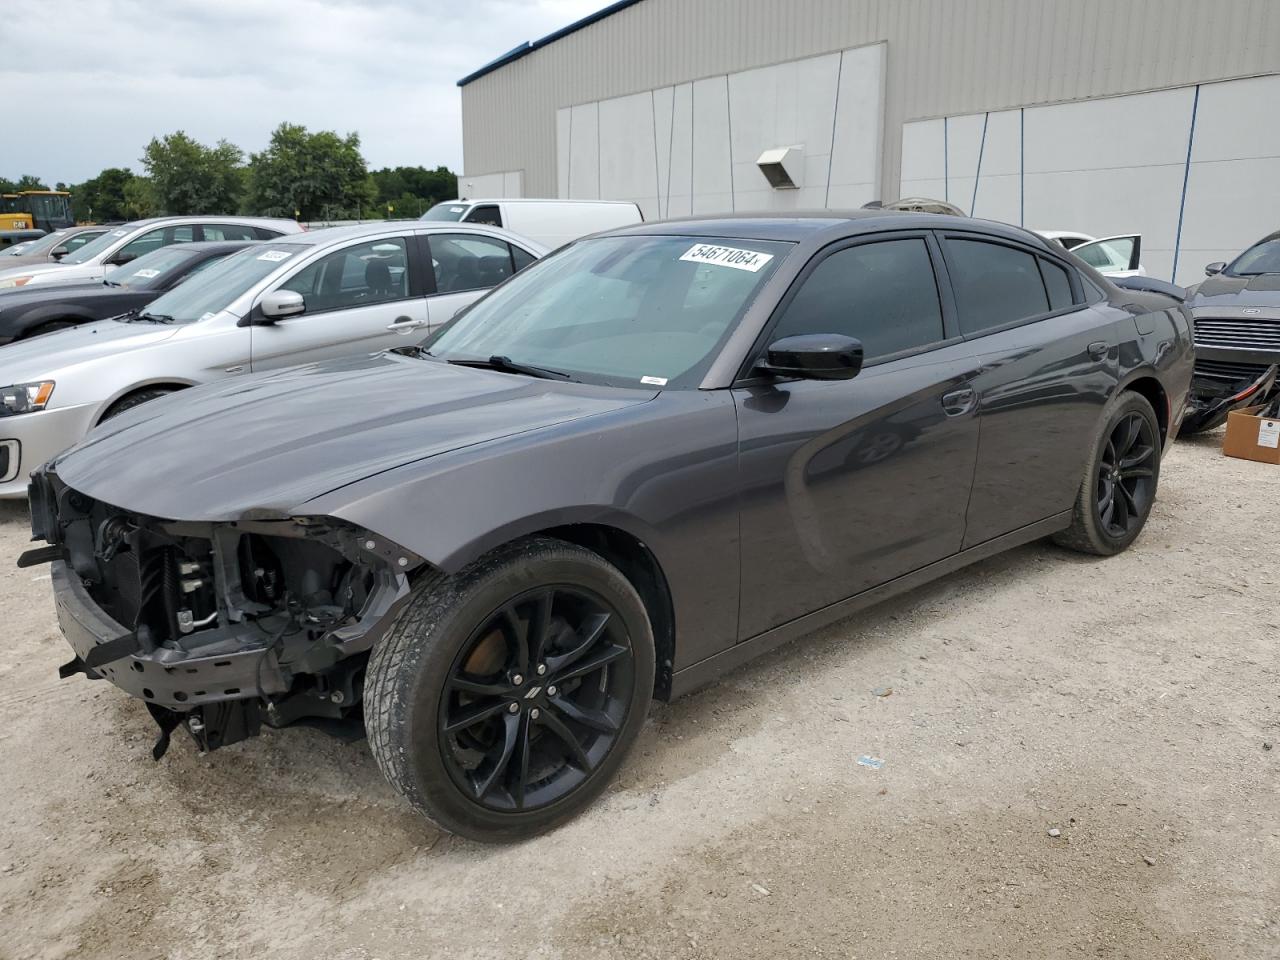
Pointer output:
781, 166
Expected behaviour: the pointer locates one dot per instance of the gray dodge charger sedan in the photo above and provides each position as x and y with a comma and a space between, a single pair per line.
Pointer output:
642, 461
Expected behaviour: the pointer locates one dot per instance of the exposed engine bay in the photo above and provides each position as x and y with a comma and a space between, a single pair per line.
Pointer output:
218, 627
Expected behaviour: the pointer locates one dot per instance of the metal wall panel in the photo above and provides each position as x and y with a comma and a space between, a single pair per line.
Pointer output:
945, 57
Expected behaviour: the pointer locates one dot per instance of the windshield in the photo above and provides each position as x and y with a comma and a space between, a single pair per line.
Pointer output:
150, 270
1261, 258
625, 311
95, 247
213, 290
18, 249
446, 211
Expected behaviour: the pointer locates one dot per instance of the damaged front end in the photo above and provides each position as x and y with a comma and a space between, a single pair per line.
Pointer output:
218, 626
1213, 397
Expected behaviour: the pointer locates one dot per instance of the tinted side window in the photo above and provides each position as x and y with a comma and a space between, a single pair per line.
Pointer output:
79, 240
994, 284
228, 231
884, 294
489, 214
466, 262
367, 273
1057, 283
266, 234
151, 240
520, 258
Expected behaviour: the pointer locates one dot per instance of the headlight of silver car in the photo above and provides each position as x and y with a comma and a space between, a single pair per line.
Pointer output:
14, 282
25, 397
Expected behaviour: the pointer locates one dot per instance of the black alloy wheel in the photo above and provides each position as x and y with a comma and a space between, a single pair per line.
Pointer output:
505, 697
1126, 475
1121, 475
536, 698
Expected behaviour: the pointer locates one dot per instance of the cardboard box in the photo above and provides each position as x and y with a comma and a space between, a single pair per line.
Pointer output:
1251, 437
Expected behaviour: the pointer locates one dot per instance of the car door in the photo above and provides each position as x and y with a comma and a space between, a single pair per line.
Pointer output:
465, 266
1119, 256
848, 484
1048, 364
356, 297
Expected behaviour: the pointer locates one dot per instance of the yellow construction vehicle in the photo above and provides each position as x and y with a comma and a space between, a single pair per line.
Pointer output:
45, 210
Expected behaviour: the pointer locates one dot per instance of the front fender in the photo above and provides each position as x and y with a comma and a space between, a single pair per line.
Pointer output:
664, 472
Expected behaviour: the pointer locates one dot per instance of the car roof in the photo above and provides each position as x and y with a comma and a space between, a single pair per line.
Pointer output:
803, 225
201, 218
620, 203
326, 235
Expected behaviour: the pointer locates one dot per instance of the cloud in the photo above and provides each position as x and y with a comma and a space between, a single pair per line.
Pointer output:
94, 80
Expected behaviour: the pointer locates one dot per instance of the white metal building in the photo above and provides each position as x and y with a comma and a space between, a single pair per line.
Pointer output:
1154, 116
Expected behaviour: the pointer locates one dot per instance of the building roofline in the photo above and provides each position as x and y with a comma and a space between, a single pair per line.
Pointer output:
526, 48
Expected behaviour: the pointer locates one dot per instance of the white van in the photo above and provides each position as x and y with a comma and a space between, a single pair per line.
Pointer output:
552, 223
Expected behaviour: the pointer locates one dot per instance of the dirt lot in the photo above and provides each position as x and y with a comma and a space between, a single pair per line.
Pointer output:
1125, 703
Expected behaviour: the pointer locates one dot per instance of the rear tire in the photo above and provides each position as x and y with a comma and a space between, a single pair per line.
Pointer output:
503, 699
1120, 479
133, 400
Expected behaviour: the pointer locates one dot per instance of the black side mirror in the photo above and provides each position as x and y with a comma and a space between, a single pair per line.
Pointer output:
1215, 268
121, 258
813, 356
59, 252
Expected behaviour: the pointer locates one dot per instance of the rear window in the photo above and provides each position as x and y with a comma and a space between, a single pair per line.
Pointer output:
446, 211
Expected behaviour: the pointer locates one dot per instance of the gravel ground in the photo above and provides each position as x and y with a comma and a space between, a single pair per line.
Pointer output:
1125, 704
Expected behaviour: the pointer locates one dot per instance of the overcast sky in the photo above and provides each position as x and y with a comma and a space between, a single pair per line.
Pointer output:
84, 84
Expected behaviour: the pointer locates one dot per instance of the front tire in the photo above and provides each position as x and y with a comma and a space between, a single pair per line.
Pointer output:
503, 699
1120, 479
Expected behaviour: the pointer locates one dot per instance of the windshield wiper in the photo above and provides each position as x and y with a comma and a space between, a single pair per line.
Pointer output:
507, 365
154, 317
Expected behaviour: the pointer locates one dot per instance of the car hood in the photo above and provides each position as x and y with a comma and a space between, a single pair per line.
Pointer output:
40, 357
24, 259
1233, 294
40, 270
262, 446
43, 293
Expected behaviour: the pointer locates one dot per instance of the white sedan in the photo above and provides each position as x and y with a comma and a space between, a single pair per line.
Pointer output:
1118, 256
293, 300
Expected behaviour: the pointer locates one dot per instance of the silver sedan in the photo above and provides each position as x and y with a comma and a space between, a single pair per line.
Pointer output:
295, 300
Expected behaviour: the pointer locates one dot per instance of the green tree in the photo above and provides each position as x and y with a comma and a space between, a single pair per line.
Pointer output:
411, 191
28, 182
139, 199
313, 176
188, 177
103, 198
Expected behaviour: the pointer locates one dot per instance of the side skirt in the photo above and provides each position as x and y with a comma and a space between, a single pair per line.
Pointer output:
706, 671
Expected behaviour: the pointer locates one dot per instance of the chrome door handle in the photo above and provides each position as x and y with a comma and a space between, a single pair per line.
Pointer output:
1099, 349
404, 325
959, 402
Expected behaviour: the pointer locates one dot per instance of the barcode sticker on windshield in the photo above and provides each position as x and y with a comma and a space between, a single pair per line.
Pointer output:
275, 256
118, 233
654, 381
727, 257
146, 274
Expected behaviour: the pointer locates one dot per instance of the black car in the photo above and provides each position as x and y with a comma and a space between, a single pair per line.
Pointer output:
1237, 334
46, 308
640, 462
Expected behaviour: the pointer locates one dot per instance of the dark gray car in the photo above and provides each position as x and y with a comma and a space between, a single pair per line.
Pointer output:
642, 461
1237, 324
